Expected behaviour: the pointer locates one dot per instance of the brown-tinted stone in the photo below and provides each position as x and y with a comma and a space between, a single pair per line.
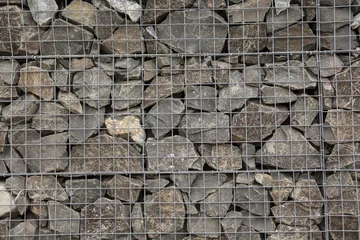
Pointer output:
23, 230
198, 74
80, 12
154, 185
253, 198
7, 203
338, 183
231, 224
247, 38
307, 193
221, 156
343, 124
128, 7
63, 219
124, 188
344, 204
45, 188
282, 186
344, 227
138, 222
70, 101
13, 161
10, 34
183, 181
343, 155
249, 11
289, 232
39, 209
150, 70
81, 64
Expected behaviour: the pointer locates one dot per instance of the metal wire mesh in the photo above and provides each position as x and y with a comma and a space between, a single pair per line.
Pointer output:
192, 119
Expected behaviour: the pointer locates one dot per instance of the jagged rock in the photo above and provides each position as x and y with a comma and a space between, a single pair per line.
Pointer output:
124, 188
329, 65
119, 42
282, 186
264, 179
245, 178
45, 188
191, 208
150, 70
107, 20
217, 204
248, 155
125, 75
205, 184
313, 134
39, 209
66, 39
162, 87
344, 204
20, 134
156, 9
162, 215
183, 181
338, 183
281, 5
231, 224
128, 7
164, 116
205, 127
253, 75
93, 87
83, 191
43, 11
205, 31
249, 11
22, 202
82, 13
154, 185
291, 74
343, 125
343, 227
342, 39
9, 72
201, 98
198, 74
204, 226
13, 161
328, 93
296, 38
8, 92
70, 101
275, 95
82, 126
128, 127
15, 184
3, 135
210, 4
257, 121
253, 198
60, 76
63, 219
221, 74
258, 223
153, 46
128, 63
343, 155
127, 94
138, 222
21, 109
304, 111
245, 233
279, 21
7, 203
307, 193
333, 18
51, 117
221, 156
81, 64
247, 38
171, 153
36, 81
24, 230
284, 232
92, 219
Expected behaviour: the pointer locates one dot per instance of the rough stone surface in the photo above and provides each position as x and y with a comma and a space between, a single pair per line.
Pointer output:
257, 121
277, 21
26, 228
247, 198
245, 178
59, 217
285, 232
40, 210
231, 224
343, 125
156, 9
329, 65
171, 153
343, 155
153, 185
107, 20
22, 109
9, 71
198, 74
137, 222
183, 181
22, 202
60, 76
127, 94
217, 204
201, 29
205, 127
13, 161
119, 42
43, 11
70, 101
345, 39
333, 18
247, 38
253, 75
221, 156
205, 184
275, 95
282, 186
257, 223
15, 184
201, 98
45, 188
308, 105
51, 117
204, 226
338, 183
265, 180
307, 193
82, 13
221, 74
124, 188
128, 7
248, 12
7, 202
343, 227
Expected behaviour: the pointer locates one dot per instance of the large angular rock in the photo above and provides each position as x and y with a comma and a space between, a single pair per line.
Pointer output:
162, 215
3, 135
329, 65
344, 227
343, 155
339, 183
333, 18
307, 193
172, 153
60, 75
70, 102
119, 42
291, 74
22, 202
221, 156
162, 87
205, 184
217, 204
290, 232
92, 219
257, 121
342, 39
279, 152
201, 98
124, 188
43, 11
296, 38
344, 204
183, 181
253, 75
23, 230
51, 117
156, 9
282, 186
128, 7
231, 224
276, 22
93, 87
36, 81
115, 155
190, 207
276, 95
107, 20
63, 219
83, 191
47, 154
82, 13
154, 185
249, 11
9, 72
205, 127
137, 222
15, 184
198, 73
8, 92
7, 202
45, 188
66, 39
247, 38
253, 198
304, 111
153, 46
127, 94
343, 125
221, 73
164, 116
259, 224
83, 126
40, 211
204, 226
22, 109
13, 161
205, 31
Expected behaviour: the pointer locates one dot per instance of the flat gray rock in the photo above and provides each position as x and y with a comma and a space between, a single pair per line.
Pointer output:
45, 188
307, 193
9, 71
52, 117
338, 183
251, 11
190, 207
127, 94
345, 39
40, 211
198, 73
128, 7
290, 232
281, 5
171, 153
3, 135
247, 38
43, 11
253, 75
304, 111
15, 184
83, 191
60, 75
221, 74
153, 46
249, 125
138, 222
205, 184
201, 98
154, 185
63, 219
154, 10
276, 95
347, 206
22, 202
343, 126
333, 18
278, 21
27, 228
201, 29
205, 127
164, 116
21, 109
343, 155
217, 204
329, 65
106, 18
245, 178
221, 156
70, 102
258, 223
13, 161
204, 226
282, 186
21, 134
124, 188
231, 224
183, 181
253, 198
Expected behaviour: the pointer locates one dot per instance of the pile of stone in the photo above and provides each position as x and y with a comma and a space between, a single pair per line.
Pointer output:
193, 119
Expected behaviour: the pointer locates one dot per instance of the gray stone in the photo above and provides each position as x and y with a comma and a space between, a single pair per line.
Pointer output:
138, 222
22, 202
335, 3
205, 31
253, 75
328, 93
245, 178
119, 42
257, 121
22, 109
221, 156
307, 193
43, 11
127, 63
244, 233
284, 232
343, 155
70, 101
291, 74
313, 134
201, 98
333, 18
338, 183
342, 39
309, 9
24, 230
205, 184
46, 64
344, 204
356, 22
93, 87
3, 135
198, 74
97, 149
153, 46
258, 223
154, 185
295, 214
329, 65
51, 117
249, 11
82, 126
156, 9
171, 153
81, 13
124, 188
9, 71
304, 111
279, 152
66, 39
231, 224
7, 203
106, 64
183, 181
15, 184
63, 219
343, 227
127, 94
128, 7
205, 127
210, 4
163, 87
92, 219
8, 92
296, 38
282, 186
164, 116
60, 76
248, 155
125, 75
343, 125
39, 209
150, 69
264, 179
204, 226
276, 95
191, 208
221, 74
45, 188
13, 162
107, 20
217, 204
37, 81
253, 198
47, 234
247, 38
81, 64
164, 217
83, 191
281, 5
11, 32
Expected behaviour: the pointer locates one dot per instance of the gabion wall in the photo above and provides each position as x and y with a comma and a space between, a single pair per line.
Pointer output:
179, 119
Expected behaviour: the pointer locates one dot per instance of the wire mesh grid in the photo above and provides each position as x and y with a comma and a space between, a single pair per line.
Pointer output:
192, 119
